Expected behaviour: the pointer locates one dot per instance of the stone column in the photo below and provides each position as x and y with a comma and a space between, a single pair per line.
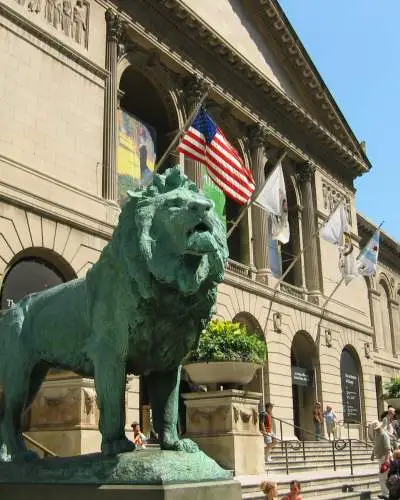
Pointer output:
311, 260
194, 90
258, 215
394, 325
115, 28
225, 426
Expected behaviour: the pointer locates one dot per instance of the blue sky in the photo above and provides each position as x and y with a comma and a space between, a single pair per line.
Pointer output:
354, 45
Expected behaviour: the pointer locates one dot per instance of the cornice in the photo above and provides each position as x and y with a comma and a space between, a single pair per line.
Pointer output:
255, 77
289, 43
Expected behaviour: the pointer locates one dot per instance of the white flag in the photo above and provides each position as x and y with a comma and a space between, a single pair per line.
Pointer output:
337, 231
368, 259
336, 226
272, 198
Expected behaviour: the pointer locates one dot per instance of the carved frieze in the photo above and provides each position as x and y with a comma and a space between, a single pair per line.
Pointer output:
71, 18
332, 197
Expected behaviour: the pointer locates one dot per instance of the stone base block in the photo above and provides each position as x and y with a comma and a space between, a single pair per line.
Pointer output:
195, 491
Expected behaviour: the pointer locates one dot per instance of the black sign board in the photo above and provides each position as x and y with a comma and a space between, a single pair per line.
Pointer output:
301, 376
350, 388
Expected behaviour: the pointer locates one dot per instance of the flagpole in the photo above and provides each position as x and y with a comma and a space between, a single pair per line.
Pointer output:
338, 285
294, 261
180, 132
253, 198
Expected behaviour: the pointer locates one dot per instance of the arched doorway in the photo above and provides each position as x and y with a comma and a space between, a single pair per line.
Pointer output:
304, 365
351, 382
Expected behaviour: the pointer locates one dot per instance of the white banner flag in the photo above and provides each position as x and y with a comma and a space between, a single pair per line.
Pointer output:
272, 198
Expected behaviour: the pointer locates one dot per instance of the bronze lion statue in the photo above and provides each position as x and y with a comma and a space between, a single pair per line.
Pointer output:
140, 310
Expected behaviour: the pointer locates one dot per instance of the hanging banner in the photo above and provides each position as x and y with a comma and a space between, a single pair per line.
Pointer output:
136, 153
215, 194
350, 389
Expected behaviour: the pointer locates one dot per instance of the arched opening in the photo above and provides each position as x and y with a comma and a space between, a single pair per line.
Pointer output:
385, 337
304, 365
352, 387
33, 270
143, 130
260, 380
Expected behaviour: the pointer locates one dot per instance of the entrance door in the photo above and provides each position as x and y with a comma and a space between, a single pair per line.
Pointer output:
303, 355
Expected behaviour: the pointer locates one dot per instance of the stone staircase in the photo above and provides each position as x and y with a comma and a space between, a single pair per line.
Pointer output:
318, 455
313, 466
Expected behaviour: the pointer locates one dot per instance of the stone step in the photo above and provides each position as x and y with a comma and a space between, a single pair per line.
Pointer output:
322, 485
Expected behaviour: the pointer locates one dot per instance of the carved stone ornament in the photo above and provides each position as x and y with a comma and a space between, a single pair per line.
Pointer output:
328, 338
277, 320
367, 350
306, 172
257, 135
332, 197
116, 27
236, 413
69, 18
194, 88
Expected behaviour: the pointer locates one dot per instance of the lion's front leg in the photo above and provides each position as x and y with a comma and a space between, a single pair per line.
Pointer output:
110, 377
164, 396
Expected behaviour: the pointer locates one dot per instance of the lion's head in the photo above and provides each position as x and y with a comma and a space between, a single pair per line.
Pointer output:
181, 239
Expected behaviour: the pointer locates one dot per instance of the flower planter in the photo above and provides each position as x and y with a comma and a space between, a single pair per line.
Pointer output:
221, 372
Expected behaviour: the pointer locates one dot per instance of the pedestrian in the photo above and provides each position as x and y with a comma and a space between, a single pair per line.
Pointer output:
382, 452
393, 478
266, 429
389, 423
330, 421
138, 437
318, 420
294, 493
269, 489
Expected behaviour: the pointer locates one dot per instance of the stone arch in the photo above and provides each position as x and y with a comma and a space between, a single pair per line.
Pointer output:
305, 382
252, 324
385, 281
24, 233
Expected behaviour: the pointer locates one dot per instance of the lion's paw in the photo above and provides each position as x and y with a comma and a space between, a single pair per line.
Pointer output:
117, 446
181, 445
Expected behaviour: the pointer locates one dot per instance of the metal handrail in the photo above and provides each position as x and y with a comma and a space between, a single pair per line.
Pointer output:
46, 451
337, 444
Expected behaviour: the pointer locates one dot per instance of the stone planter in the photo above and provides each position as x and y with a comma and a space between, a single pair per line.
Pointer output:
221, 372
395, 402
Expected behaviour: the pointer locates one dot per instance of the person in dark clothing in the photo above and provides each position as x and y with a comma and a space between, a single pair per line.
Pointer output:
393, 478
186, 385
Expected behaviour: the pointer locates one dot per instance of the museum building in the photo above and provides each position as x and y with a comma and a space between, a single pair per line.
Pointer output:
92, 94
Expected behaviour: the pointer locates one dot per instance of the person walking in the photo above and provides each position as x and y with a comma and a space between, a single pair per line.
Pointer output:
330, 421
381, 451
266, 429
318, 420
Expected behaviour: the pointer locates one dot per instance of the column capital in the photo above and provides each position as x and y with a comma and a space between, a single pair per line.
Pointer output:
257, 135
194, 88
306, 172
116, 26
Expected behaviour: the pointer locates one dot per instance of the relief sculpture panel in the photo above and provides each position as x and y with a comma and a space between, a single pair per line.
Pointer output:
332, 196
71, 18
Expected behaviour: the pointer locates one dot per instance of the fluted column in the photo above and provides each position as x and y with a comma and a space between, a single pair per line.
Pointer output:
306, 176
115, 28
194, 91
395, 326
258, 215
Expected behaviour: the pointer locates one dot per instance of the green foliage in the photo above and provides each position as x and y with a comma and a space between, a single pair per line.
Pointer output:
392, 388
227, 341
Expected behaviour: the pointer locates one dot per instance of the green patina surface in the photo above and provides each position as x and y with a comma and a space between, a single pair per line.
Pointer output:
139, 310
139, 467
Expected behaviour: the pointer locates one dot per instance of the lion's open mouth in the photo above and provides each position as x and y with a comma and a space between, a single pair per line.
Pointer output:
202, 227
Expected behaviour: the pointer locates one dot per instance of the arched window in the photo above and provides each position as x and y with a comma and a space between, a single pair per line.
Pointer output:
28, 275
386, 331
350, 378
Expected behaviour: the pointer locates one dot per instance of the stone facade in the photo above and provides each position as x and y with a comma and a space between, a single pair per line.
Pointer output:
71, 65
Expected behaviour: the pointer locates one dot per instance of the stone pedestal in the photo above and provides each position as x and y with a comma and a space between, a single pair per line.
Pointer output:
225, 425
198, 491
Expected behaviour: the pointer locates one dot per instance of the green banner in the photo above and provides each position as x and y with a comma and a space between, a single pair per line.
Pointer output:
215, 194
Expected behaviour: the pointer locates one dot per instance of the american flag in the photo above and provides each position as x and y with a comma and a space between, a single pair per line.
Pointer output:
205, 142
